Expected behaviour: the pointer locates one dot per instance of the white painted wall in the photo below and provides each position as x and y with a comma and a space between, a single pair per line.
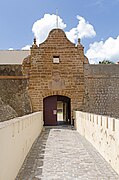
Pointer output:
16, 138
13, 56
103, 133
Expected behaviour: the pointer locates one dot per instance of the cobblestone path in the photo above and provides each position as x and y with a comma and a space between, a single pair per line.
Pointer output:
62, 154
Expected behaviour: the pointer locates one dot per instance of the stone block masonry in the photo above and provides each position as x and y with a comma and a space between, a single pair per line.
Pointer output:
10, 70
14, 93
47, 77
59, 67
91, 88
14, 98
102, 89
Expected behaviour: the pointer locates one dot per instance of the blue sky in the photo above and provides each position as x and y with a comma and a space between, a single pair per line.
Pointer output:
17, 18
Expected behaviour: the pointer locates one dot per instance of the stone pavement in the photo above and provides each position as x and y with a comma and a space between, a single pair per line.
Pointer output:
62, 154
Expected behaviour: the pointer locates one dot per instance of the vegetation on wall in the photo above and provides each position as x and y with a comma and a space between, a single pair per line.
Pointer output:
106, 62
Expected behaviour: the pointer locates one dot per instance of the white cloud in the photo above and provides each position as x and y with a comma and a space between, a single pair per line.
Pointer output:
72, 35
10, 49
108, 50
83, 30
27, 47
97, 51
42, 27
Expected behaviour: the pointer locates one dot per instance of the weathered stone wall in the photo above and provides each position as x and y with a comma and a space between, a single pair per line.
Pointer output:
6, 111
102, 89
91, 88
65, 78
13, 93
10, 70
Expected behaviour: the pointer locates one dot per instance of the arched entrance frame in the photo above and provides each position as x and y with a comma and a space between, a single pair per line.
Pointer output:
57, 110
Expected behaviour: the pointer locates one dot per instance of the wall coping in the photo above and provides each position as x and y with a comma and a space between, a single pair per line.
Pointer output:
5, 124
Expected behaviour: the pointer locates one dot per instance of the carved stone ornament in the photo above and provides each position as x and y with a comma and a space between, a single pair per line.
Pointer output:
56, 83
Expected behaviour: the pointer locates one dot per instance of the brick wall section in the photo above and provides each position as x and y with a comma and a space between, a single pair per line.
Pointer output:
102, 89
47, 78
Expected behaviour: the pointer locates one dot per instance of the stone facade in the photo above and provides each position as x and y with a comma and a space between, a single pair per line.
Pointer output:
102, 89
65, 78
59, 67
14, 97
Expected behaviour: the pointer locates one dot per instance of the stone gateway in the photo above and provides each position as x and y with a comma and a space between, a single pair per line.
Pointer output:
56, 68
56, 78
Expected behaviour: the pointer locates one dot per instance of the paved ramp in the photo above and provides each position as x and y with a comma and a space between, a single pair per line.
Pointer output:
60, 153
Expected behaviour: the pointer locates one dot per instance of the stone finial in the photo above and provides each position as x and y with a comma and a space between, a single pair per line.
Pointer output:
79, 40
34, 40
79, 43
34, 43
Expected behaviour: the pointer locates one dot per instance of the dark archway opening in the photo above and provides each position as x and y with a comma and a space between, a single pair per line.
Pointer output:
56, 110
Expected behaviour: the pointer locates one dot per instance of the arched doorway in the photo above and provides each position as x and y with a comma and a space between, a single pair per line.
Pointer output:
56, 110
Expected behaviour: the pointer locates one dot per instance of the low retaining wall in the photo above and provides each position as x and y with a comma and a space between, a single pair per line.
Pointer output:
16, 138
103, 133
